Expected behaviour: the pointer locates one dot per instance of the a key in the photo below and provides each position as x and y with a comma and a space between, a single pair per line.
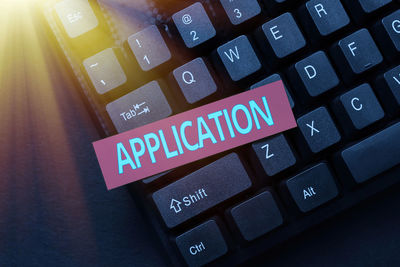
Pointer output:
318, 129
142, 106
389, 89
388, 32
314, 74
105, 71
324, 17
374, 155
202, 244
195, 80
274, 78
239, 58
283, 37
361, 9
149, 48
356, 53
274, 154
257, 216
194, 25
201, 190
240, 11
77, 16
313, 187
358, 108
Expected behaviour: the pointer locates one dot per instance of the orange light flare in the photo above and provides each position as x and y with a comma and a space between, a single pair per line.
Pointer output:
40, 178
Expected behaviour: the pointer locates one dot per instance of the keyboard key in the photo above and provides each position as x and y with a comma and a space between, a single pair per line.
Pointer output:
356, 54
313, 187
315, 74
155, 177
366, 6
194, 25
373, 155
318, 129
240, 11
358, 108
274, 78
149, 48
328, 16
77, 16
257, 216
195, 80
274, 154
202, 244
239, 58
389, 88
283, 35
201, 190
388, 32
105, 71
142, 106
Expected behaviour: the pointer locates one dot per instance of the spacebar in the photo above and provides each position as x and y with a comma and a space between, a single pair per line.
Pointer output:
374, 155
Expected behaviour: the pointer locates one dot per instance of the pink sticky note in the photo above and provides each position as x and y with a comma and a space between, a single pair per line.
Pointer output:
194, 134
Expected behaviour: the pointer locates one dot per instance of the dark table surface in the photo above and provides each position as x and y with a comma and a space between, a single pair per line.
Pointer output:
54, 206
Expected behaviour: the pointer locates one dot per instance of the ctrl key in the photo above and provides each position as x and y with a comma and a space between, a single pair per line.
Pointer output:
202, 244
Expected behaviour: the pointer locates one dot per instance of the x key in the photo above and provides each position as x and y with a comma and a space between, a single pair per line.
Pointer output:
318, 130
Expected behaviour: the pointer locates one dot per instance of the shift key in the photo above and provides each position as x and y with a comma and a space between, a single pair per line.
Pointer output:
202, 190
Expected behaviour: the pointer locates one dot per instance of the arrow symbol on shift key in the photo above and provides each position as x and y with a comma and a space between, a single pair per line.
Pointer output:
175, 205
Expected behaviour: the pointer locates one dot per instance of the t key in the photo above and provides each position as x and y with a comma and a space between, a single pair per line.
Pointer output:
356, 54
318, 129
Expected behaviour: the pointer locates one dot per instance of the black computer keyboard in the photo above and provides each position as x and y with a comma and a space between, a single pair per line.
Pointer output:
141, 61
